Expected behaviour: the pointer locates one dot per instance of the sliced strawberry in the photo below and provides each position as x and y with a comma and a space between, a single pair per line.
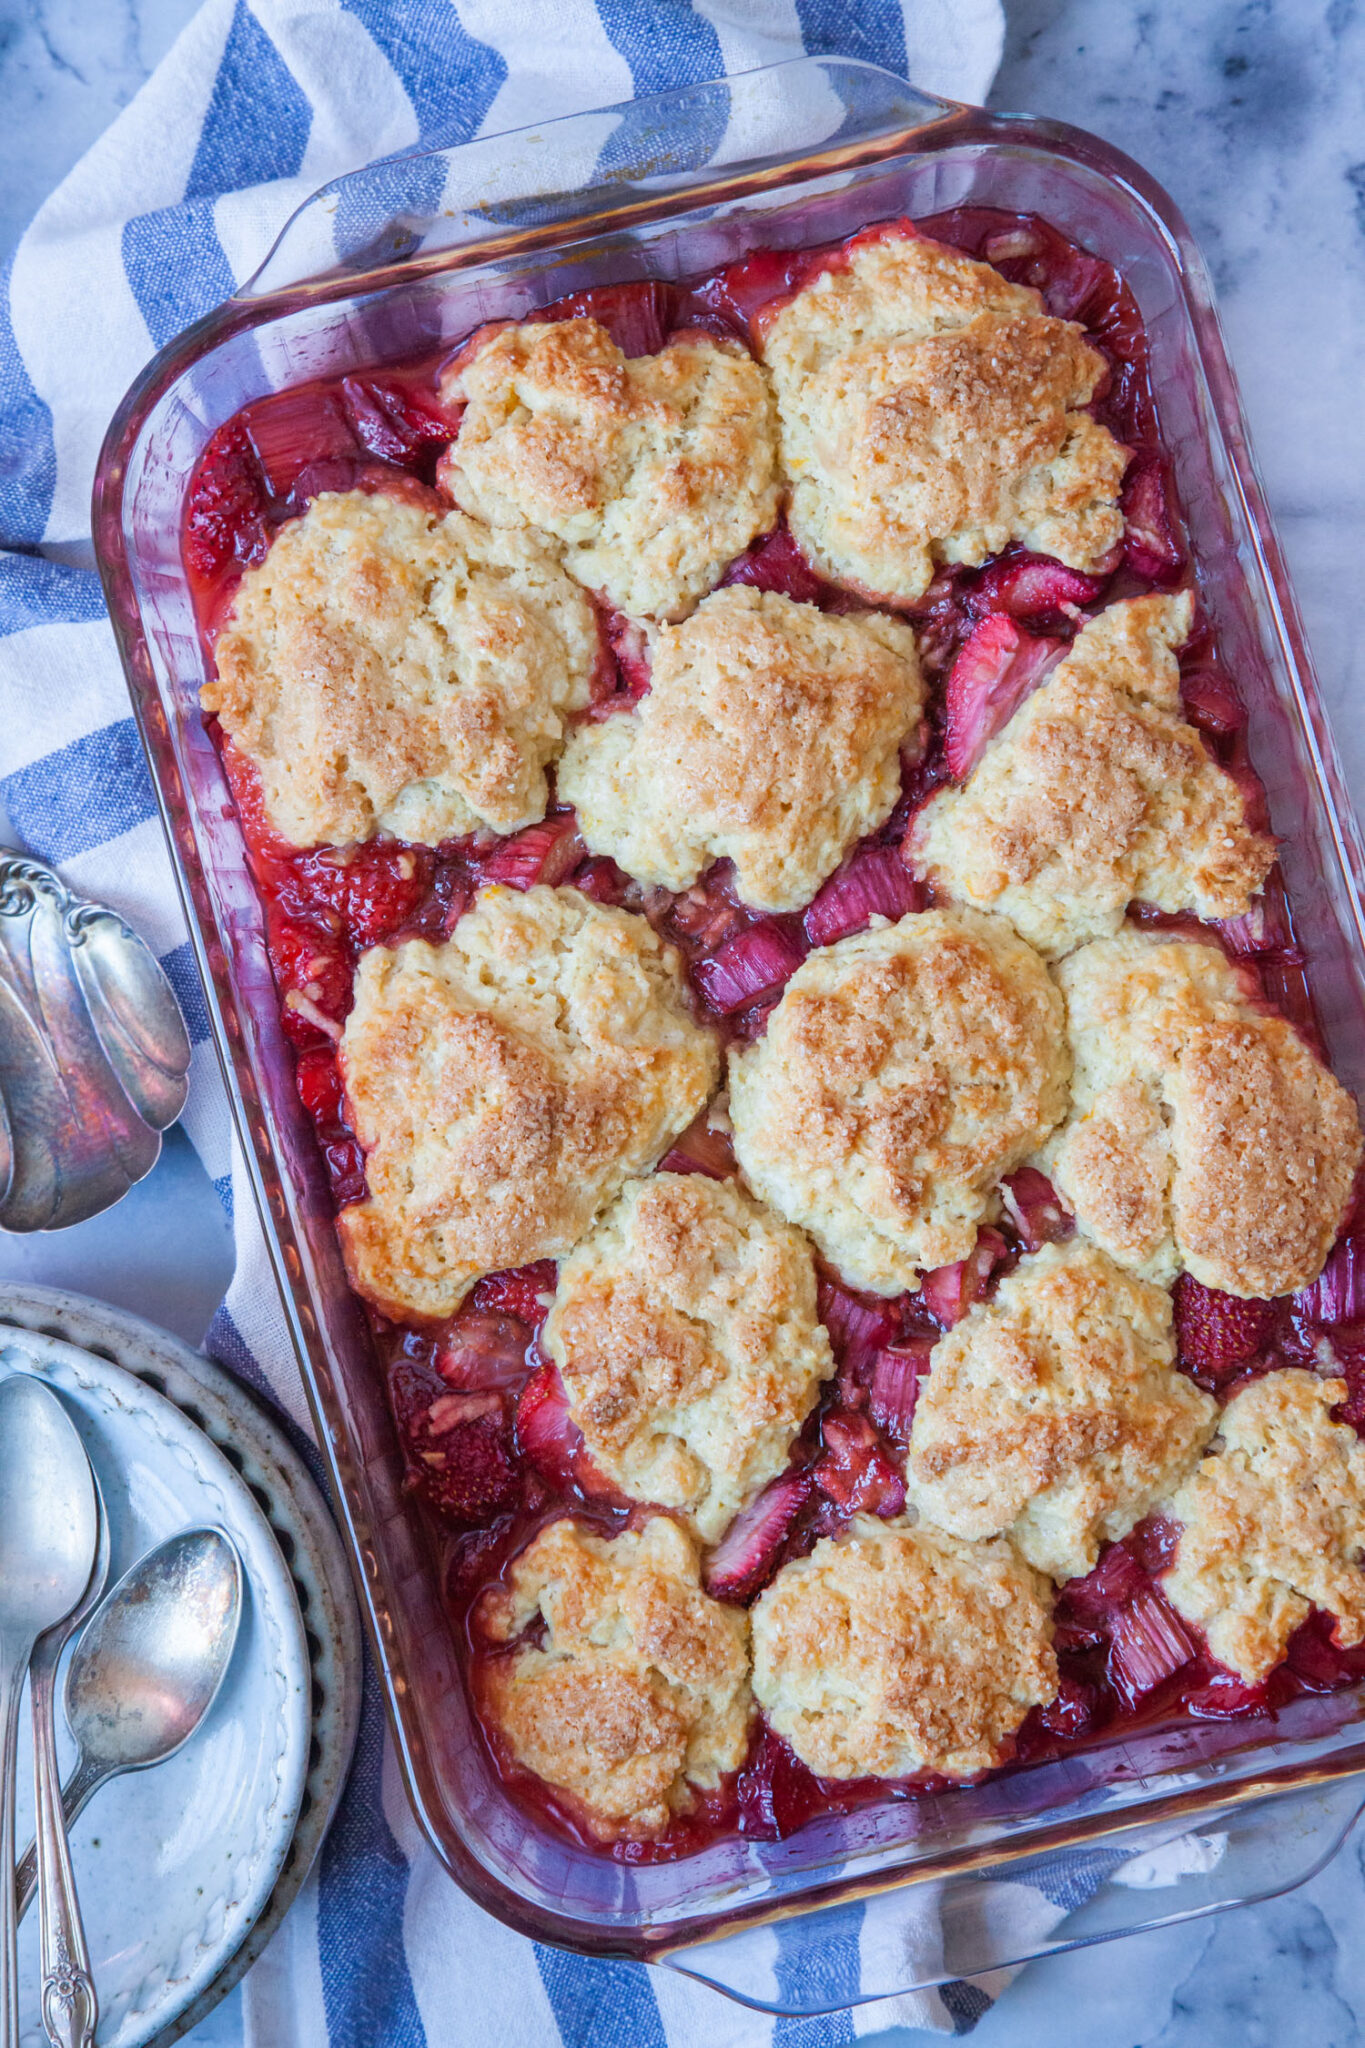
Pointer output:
777, 563
346, 1170
484, 1351
465, 1471
1147, 1643
949, 1291
1036, 1209
747, 1553
548, 1435
542, 853
700, 1149
292, 429
1210, 701
373, 887
777, 1794
397, 421
1033, 587
312, 966
897, 1373
1313, 1657
319, 1085
520, 1291
755, 962
1225, 1697
225, 514
1217, 1333
997, 668
1154, 1543
873, 882
1152, 546
636, 316
855, 1472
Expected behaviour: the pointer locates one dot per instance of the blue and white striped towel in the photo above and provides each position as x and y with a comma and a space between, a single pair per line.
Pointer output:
259, 102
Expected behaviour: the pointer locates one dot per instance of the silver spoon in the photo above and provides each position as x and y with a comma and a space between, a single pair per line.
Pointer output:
49, 1534
148, 1667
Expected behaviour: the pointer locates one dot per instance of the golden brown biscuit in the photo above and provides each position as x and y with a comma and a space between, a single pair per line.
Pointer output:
899, 1649
685, 1329
652, 472
639, 1695
1274, 1523
770, 735
903, 1073
1054, 1413
1202, 1133
931, 412
388, 669
1097, 794
505, 1086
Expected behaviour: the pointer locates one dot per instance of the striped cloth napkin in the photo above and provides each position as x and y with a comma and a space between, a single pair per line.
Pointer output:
260, 102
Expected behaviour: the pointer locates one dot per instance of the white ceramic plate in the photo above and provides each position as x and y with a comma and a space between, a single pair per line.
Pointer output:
175, 1864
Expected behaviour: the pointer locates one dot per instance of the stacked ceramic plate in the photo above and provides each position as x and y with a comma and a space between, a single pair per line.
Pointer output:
185, 1870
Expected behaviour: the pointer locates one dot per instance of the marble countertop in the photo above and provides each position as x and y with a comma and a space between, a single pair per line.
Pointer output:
1249, 112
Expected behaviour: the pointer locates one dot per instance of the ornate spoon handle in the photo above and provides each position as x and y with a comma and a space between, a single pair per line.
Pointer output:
13, 1662
70, 2006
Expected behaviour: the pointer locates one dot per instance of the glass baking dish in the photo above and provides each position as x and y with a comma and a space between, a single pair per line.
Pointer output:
401, 260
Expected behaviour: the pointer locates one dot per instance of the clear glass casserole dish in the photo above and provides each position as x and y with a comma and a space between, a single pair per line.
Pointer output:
402, 260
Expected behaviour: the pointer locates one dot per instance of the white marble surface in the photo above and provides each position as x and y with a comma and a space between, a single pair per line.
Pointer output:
1250, 112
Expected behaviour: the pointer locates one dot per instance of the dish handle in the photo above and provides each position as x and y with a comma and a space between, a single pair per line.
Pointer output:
609, 167
922, 1937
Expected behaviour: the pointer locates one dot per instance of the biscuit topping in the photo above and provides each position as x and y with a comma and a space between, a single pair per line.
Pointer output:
639, 1695
1274, 1523
652, 472
388, 669
505, 1086
902, 1074
931, 412
1097, 794
1203, 1132
1054, 1412
770, 734
899, 1649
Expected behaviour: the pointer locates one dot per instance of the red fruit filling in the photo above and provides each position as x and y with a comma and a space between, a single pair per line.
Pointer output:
896, 1375
1033, 587
226, 526
396, 421
1217, 1334
522, 1291
1210, 701
1338, 1293
1035, 1209
998, 667
859, 1326
700, 1149
873, 882
482, 1352
777, 1794
777, 563
464, 1469
749, 1551
855, 1472
949, 1291
636, 316
1152, 546
755, 962
547, 852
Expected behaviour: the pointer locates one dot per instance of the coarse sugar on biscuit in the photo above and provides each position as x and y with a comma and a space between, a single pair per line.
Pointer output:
900, 1649
651, 472
1054, 1413
932, 412
904, 1071
1273, 1523
1097, 794
770, 735
387, 668
506, 1085
686, 1332
638, 1697
1203, 1133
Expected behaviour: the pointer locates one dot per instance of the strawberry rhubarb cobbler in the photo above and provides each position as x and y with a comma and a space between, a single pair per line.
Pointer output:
788, 964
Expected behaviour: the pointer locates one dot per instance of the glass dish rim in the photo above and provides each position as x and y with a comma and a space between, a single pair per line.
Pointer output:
946, 123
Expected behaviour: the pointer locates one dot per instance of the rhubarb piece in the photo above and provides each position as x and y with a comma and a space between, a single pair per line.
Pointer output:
897, 1373
636, 316
543, 853
1072, 1713
226, 524
602, 880
522, 1291
1148, 1643
998, 667
1338, 1294
873, 882
484, 1351
1035, 1209
777, 563
701, 1149
777, 1794
1152, 546
755, 962
949, 1291
859, 1327
1217, 1333
292, 429
1210, 701
1262, 928
855, 1472
747, 1553
396, 421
